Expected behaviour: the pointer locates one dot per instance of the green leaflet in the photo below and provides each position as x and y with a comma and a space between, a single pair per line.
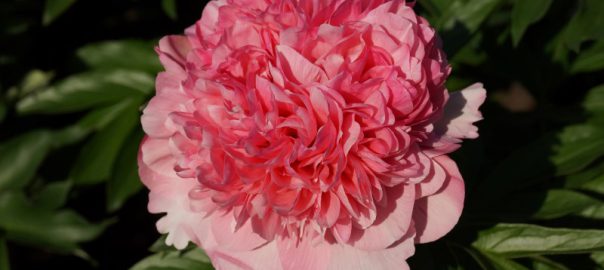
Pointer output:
522, 240
21, 157
124, 181
590, 60
175, 260
526, 13
61, 231
488, 260
54, 9
98, 156
87, 90
137, 55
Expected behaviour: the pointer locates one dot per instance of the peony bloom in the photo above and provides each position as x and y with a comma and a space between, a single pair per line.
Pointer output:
306, 134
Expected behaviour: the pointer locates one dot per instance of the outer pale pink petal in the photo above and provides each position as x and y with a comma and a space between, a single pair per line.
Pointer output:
392, 222
156, 156
460, 112
436, 215
319, 254
231, 240
433, 182
168, 194
265, 257
303, 254
344, 257
169, 98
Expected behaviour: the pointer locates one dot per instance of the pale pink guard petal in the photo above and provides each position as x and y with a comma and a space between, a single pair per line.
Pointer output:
155, 118
435, 215
265, 258
232, 238
166, 194
322, 255
155, 158
392, 222
345, 257
434, 182
461, 111
303, 254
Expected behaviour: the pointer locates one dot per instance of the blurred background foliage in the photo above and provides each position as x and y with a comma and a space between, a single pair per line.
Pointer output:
74, 76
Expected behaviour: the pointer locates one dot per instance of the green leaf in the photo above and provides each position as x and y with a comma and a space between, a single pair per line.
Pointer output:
598, 257
586, 24
4, 259
551, 204
590, 60
87, 90
125, 181
59, 231
471, 54
594, 102
194, 259
197, 254
160, 245
169, 7
97, 157
491, 261
591, 179
526, 13
121, 54
53, 195
595, 211
559, 203
443, 13
93, 121
579, 146
54, 8
521, 240
474, 12
543, 263
21, 157
33, 81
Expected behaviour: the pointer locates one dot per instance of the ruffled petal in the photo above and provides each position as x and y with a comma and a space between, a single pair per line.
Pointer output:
230, 238
461, 111
436, 215
155, 119
173, 52
392, 221
155, 159
303, 254
433, 182
297, 67
345, 257
265, 258
168, 194
457, 121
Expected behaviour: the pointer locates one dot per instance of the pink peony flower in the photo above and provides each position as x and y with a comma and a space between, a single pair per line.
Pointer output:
306, 134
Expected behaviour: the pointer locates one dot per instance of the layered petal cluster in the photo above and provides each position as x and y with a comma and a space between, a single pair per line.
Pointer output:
306, 134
